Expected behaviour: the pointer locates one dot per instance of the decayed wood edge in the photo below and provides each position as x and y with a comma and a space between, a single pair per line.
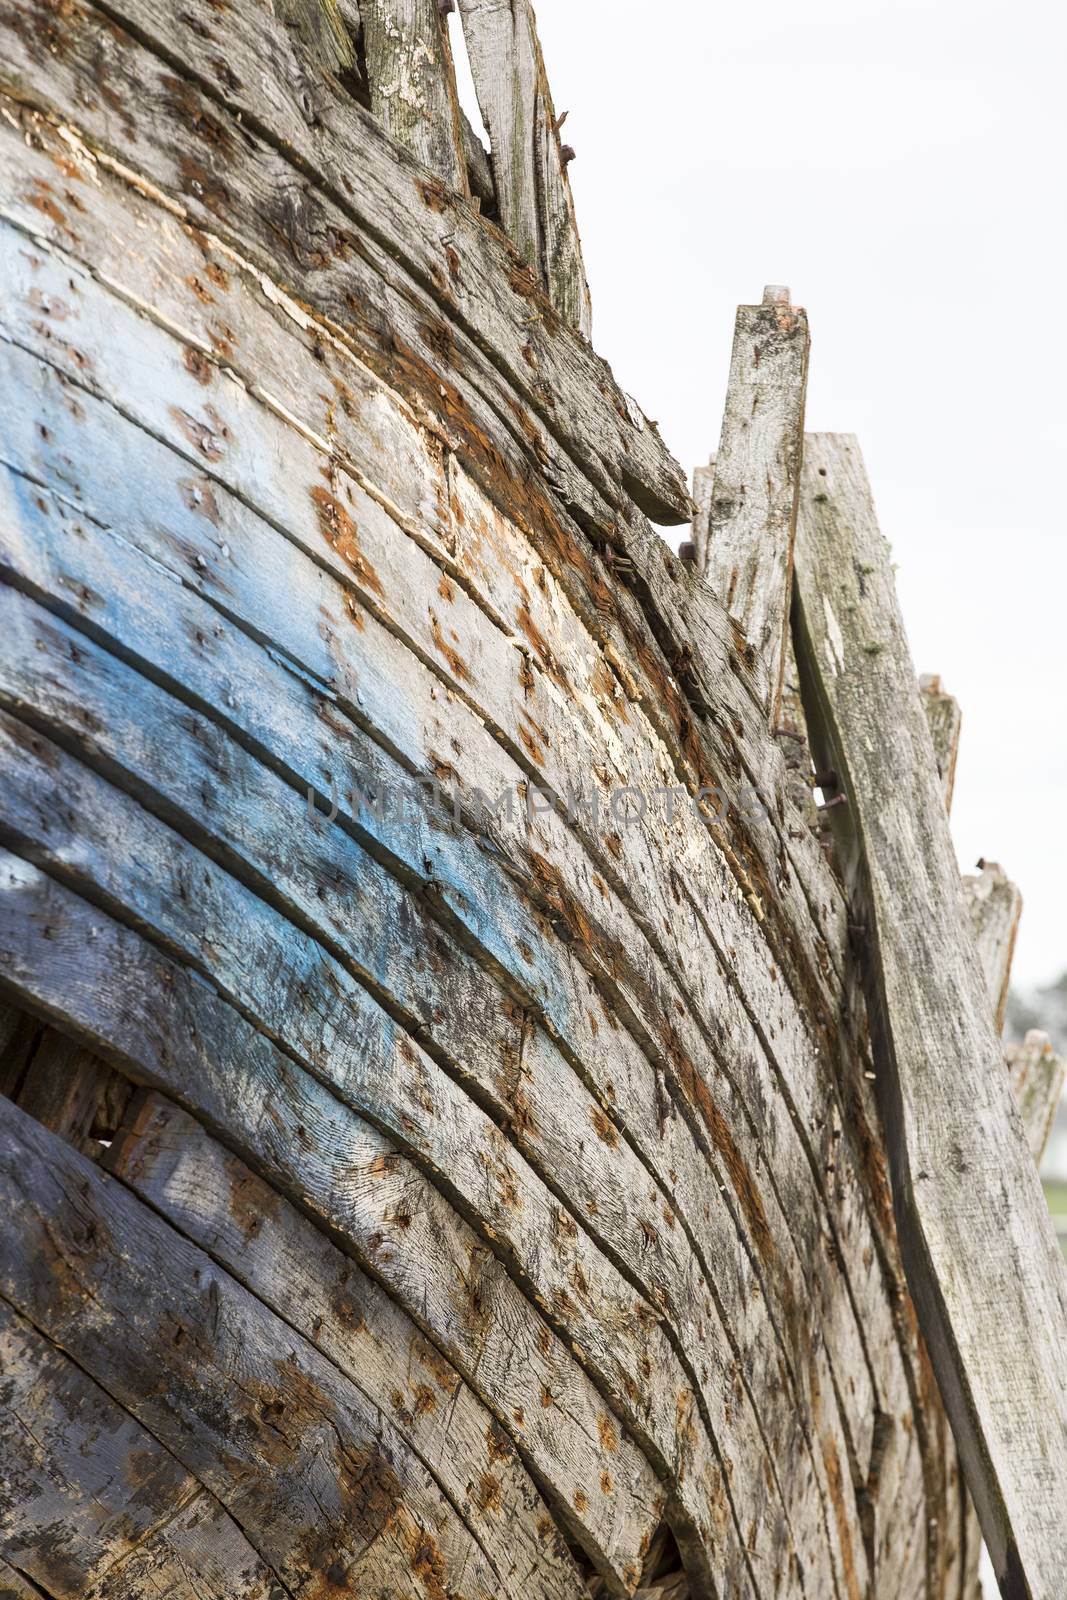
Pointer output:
1036, 1074
440, 249
751, 524
944, 719
412, 83
533, 192
990, 1288
994, 905
701, 490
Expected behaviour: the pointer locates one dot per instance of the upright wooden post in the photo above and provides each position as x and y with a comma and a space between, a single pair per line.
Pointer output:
984, 1268
529, 161
412, 83
751, 519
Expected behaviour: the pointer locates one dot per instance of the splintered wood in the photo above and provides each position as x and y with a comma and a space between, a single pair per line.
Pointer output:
983, 1264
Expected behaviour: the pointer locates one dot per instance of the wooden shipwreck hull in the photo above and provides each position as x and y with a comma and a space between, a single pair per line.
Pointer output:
435, 1161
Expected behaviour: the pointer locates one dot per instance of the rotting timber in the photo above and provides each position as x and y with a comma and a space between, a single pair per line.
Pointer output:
460, 1199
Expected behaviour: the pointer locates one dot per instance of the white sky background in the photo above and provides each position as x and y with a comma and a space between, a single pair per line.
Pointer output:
902, 168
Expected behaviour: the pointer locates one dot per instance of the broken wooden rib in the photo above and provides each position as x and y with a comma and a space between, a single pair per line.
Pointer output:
412, 83
1037, 1075
995, 906
944, 719
751, 518
984, 1267
529, 162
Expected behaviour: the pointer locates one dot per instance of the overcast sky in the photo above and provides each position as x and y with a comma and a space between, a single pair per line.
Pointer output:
901, 167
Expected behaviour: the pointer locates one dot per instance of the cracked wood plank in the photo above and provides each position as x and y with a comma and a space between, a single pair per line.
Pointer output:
533, 191
94, 1507
315, 1475
974, 1225
413, 85
751, 517
167, 1031
213, 1198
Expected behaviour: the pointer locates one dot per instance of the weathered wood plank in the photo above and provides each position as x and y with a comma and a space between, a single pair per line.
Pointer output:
234, 179
974, 1226
529, 167
320, 26
412, 83
308, 1000
253, 472
91, 1498
209, 1195
994, 907
168, 1031
753, 504
315, 1475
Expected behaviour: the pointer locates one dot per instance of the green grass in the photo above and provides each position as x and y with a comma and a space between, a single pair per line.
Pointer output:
1056, 1195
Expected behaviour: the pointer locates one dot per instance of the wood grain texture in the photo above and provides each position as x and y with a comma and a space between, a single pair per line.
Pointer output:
412, 83
94, 1507
352, 1181
316, 1476
269, 1246
239, 437
533, 192
751, 518
973, 1221
320, 25
252, 484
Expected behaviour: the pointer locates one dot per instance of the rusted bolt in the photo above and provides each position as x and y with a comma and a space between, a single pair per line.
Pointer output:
445, 8
838, 800
826, 780
566, 154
